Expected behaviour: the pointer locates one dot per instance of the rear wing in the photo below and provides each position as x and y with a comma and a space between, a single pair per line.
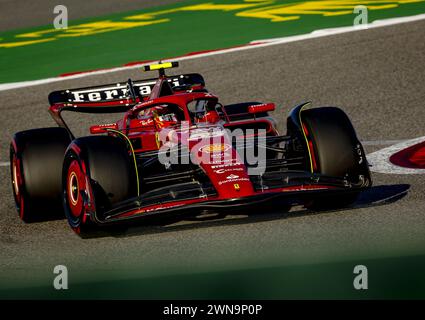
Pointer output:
110, 93
111, 98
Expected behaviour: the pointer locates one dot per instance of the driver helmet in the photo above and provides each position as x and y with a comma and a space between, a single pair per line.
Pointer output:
210, 117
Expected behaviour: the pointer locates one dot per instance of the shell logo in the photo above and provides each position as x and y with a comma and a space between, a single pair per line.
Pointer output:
215, 148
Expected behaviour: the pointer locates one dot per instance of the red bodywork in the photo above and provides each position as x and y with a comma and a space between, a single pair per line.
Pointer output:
229, 176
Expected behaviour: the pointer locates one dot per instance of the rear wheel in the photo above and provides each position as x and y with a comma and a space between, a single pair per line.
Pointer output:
97, 173
335, 151
36, 158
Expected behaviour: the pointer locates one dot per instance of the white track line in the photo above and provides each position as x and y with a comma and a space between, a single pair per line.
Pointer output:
4, 164
380, 159
381, 142
252, 45
332, 31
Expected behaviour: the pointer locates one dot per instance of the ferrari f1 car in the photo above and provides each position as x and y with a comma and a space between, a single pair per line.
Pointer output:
174, 151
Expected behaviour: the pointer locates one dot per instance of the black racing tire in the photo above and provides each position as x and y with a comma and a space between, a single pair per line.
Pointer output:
98, 171
36, 159
337, 152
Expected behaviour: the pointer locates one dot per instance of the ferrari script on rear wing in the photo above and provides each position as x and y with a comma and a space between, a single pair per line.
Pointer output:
118, 91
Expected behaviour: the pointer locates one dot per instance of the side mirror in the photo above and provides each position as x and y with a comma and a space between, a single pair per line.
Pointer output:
259, 108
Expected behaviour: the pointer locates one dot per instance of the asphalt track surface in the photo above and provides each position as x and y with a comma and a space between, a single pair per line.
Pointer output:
376, 76
15, 14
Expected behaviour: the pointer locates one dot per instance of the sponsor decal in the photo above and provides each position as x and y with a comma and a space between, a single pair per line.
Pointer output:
205, 133
106, 125
302, 188
221, 171
146, 122
226, 165
163, 207
224, 161
233, 180
359, 153
105, 94
232, 176
215, 148
219, 155
114, 93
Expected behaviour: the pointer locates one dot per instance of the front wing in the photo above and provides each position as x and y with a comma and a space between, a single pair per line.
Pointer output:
194, 197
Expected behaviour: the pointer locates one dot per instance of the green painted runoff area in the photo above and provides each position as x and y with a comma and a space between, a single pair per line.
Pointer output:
174, 30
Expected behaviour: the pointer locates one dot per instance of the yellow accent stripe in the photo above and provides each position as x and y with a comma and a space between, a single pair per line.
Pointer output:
157, 140
134, 156
305, 137
158, 66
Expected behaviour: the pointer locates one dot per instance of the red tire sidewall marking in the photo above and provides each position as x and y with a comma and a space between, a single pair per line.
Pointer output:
21, 208
75, 185
17, 182
16, 177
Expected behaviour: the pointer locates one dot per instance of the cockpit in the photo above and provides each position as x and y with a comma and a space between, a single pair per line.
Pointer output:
204, 110
162, 115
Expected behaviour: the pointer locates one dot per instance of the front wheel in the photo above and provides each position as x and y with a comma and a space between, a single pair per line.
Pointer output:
335, 151
97, 174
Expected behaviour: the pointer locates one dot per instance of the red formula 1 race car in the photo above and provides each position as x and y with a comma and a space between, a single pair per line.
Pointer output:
177, 149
